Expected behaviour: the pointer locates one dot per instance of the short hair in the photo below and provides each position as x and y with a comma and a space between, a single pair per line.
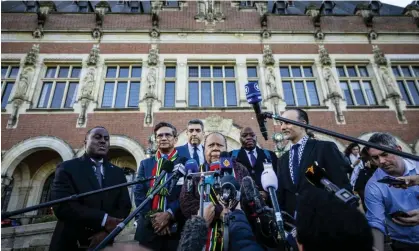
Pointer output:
348, 150
326, 223
302, 115
225, 139
310, 134
91, 129
383, 138
196, 122
165, 124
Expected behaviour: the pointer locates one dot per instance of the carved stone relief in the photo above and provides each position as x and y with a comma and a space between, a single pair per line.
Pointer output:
270, 82
268, 58
331, 82
153, 56
88, 85
209, 11
389, 83
93, 58
32, 56
324, 56
379, 56
23, 84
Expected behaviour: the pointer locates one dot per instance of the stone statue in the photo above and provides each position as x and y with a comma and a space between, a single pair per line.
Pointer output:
331, 82
324, 56
23, 84
93, 58
32, 55
379, 57
151, 80
268, 58
270, 81
88, 85
388, 82
153, 56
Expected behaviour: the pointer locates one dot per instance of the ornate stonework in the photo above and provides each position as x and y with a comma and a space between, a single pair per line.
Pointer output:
23, 84
209, 11
88, 85
379, 57
332, 86
389, 82
216, 123
268, 58
324, 56
93, 58
32, 56
153, 55
270, 82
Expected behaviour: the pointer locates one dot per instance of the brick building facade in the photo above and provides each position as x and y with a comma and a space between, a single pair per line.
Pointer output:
69, 66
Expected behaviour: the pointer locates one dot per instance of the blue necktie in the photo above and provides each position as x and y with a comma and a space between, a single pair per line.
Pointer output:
195, 154
295, 164
252, 158
98, 172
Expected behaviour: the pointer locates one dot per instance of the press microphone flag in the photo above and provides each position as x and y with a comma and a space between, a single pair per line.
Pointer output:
254, 97
318, 177
226, 163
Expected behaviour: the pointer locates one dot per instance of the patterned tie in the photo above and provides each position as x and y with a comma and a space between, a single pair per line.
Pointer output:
295, 164
195, 154
98, 172
252, 158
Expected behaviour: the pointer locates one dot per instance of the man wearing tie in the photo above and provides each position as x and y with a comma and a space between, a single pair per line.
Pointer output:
304, 151
160, 221
194, 149
87, 221
253, 157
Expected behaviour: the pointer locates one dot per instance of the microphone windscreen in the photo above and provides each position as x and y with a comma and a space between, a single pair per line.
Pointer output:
194, 235
269, 179
180, 168
314, 174
253, 94
229, 180
191, 165
167, 166
215, 166
182, 160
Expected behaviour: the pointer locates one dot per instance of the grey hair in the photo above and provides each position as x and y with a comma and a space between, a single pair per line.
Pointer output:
225, 139
384, 138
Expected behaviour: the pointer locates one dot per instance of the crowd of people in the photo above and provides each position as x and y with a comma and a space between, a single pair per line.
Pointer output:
314, 219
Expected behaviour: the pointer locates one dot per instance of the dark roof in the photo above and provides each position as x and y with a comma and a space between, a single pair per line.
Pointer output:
294, 8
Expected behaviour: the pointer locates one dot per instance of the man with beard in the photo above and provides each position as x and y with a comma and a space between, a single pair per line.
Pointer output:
303, 153
193, 149
383, 202
160, 221
87, 221
253, 157
214, 144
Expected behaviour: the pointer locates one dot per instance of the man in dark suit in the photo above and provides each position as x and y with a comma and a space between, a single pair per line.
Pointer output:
160, 221
303, 153
87, 221
193, 149
253, 157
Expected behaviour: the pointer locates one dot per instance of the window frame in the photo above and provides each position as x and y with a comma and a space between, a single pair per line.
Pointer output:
211, 80
404, 79
302, 79
169, 79
360, 80
54, 80
7, 80
117, 79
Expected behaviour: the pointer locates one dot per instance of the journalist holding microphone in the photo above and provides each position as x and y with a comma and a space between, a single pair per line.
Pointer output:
87, 221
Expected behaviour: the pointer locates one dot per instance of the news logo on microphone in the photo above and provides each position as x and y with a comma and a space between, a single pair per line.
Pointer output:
253, 94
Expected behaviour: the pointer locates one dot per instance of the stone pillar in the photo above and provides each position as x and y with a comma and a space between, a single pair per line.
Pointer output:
181, 82
241, 80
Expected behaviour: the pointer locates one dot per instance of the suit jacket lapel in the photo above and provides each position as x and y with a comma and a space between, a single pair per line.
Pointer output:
107, 170
305, 159
288, 181
261, 156
243, 158
87, 169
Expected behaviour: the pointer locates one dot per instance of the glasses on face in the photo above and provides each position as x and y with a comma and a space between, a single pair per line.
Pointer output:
161, 135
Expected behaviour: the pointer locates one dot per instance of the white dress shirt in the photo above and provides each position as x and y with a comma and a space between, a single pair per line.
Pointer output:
255, 153
200, 152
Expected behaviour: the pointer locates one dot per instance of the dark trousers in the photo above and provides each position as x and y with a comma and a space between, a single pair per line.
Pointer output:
402, 246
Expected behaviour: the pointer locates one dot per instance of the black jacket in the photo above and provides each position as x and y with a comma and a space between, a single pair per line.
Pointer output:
328, 157
256, 171
79, 220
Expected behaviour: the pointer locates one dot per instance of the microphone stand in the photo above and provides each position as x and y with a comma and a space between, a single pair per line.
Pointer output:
201, 195
122, 225
340, 136
72, 197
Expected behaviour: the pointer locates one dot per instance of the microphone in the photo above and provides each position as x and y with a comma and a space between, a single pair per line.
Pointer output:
215, 166
318, 177
178, 172
194, 235
254, 97
270, 184
230, 189
226, 164
191, 166
166, 167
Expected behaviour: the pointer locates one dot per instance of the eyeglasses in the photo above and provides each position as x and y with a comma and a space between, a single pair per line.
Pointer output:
161, 135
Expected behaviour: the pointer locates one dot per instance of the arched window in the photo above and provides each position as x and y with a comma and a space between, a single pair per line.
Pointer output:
46, 195
5, 196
